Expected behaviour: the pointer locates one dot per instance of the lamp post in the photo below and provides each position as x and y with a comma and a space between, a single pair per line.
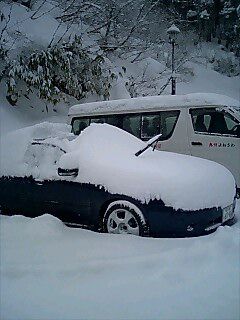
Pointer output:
173, 31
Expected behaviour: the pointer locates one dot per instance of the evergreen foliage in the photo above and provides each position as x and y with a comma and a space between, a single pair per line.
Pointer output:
211, 19
64, 69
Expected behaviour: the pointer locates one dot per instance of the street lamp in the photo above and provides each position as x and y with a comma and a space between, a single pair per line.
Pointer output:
173, 31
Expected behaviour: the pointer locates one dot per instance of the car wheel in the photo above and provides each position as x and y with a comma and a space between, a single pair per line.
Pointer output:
123, 217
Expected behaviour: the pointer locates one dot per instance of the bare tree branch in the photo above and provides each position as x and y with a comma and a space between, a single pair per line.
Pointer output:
7, 22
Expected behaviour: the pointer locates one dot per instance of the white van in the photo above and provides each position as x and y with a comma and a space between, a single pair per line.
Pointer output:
198, 124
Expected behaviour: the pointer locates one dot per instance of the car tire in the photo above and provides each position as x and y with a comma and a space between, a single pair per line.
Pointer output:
124, 217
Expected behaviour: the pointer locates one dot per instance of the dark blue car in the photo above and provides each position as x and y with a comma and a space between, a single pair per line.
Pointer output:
100, 181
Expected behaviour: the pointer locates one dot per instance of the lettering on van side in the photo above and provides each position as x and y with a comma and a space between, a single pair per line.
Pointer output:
221, 145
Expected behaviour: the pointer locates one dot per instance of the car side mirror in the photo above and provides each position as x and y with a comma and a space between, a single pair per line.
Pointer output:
68, 172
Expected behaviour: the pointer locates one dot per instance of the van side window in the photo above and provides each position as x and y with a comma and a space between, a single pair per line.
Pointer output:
212, 120
168, 121
162, 122
131, 124
115, 120
150, 126
98, 120
79, 124
230, 121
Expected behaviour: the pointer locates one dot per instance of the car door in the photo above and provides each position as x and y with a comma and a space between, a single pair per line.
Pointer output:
70, 201
49, 194
214, 135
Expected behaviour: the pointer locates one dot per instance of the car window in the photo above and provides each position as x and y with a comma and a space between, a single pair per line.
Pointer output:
213, 120
131, 124
79, 124
38, 154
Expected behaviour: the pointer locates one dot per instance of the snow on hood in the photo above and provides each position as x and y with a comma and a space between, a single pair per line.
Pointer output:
105, 156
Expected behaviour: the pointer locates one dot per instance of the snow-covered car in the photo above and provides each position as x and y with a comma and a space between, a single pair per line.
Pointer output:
97, 181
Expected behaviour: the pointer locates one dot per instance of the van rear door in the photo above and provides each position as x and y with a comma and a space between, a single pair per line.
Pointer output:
214, 134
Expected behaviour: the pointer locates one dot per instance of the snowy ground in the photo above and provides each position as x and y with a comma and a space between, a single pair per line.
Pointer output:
50, 271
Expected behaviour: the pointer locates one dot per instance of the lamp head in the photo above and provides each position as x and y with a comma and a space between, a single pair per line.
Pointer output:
173, 31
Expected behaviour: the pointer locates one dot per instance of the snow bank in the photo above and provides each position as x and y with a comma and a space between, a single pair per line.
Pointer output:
49, 271
207, 80
105, 156
11, 119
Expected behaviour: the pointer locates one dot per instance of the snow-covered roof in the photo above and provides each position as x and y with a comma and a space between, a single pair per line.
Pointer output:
152, 103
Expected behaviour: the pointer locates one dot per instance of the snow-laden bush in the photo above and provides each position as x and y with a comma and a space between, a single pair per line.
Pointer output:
226, 64
64, 69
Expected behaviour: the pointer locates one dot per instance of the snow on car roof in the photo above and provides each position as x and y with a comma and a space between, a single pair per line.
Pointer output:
152, 103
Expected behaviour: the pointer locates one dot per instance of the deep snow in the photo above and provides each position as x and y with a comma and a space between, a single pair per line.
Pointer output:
50, 271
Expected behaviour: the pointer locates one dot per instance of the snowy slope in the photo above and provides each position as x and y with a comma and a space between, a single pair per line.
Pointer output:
207, 80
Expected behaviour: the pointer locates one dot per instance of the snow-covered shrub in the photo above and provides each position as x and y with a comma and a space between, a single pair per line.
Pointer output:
64, 69
227, 64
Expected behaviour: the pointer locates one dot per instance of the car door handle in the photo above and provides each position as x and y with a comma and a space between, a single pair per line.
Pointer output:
196, 143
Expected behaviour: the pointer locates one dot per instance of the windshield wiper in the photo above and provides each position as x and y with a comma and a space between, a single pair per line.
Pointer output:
150, 143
